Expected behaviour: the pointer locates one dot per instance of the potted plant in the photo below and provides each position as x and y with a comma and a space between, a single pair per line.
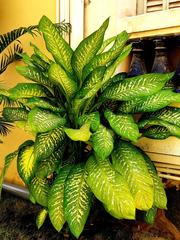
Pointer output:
81, 115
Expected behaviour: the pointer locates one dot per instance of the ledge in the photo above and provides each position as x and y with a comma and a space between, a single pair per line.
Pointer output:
165, 22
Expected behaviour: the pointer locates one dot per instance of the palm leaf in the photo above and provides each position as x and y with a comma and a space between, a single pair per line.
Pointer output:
4, 127
10, 56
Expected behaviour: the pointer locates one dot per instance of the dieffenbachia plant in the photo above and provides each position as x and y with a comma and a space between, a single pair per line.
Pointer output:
81, 115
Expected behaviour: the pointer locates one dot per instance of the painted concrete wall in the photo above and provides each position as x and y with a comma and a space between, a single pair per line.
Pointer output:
14, 14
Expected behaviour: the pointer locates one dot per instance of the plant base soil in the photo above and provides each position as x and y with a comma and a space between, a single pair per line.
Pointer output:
17, 222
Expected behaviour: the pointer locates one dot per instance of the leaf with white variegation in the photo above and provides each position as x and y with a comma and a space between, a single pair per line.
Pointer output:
77, 199
156, 132
87, 49
151, 103
55, 43
28, 90
123, 125
56, 199
13, 114
41, 120
129, 162
139, 86
93, 119
26, 163
47, 142
160, 199
39, 188
34, 74
41, 217
103, 142
59, 76
110, 188
105, 58
106, 43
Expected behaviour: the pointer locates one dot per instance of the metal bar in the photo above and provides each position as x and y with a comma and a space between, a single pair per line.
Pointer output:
16, 190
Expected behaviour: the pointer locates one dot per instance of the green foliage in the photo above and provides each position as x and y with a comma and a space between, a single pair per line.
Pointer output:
82, 132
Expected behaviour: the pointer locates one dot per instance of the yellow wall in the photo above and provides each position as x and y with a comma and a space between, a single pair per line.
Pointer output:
14, 14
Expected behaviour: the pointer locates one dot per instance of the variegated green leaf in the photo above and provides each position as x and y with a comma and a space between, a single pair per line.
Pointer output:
40, 120
41, 217
104, 58
39, 188
44, 103
59, 76
8, 159
55, 44
46, 143
56, 199
48, 165
14, 114
110, 188
123, 125
82, 134
34, 74
173, 129
151, 103
92, 84
40, 54
168, 114
93, 119
87, 49
150, 215
156, 132
139, 86
26, 163
103, 142
28, 90
160, 199
112, 68
39, 63
129, 162
106, 43
77, 199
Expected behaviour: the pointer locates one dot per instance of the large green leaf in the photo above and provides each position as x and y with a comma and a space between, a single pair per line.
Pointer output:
40, 54
160, 199
173, 129
56, 199
150, 215
40, 120
44, 103
28, 90
46, 143
168, 114
112, 67
156, 132
26, 163
93, 119
139, 86
151, 103
92, 84
110, 188
59, 76
41, 217
103, 142
55, 43
48, 165
106, 57
106, 43
39, 188
123, 125
82, 134
14, 114
34, 74
129, 162
77, 199
87, 49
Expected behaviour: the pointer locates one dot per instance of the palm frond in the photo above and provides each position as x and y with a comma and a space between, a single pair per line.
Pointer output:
8, 38
4, 127
10, 56
63, 27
